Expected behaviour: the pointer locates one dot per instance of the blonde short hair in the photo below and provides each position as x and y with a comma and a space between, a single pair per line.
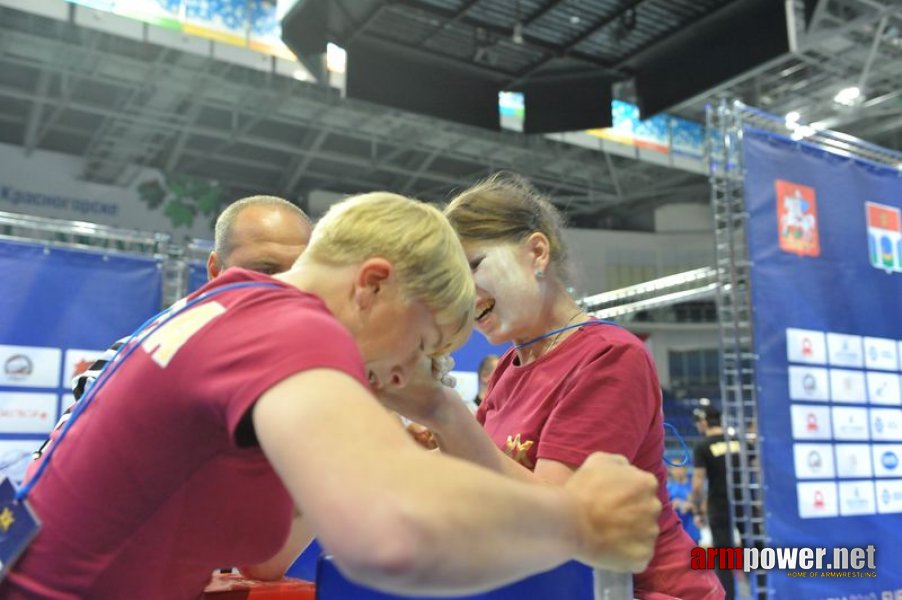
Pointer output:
417, 240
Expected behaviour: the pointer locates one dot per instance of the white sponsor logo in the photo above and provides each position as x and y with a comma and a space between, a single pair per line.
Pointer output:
29, 366
24, 412
887, 460
810, 422
845, 350
850, 423
886, 424
806, 346
817, 499
880, 353
883, 388
853, 460
889, 496
847, 386
808, 383
856, 498
77, 362
813, 461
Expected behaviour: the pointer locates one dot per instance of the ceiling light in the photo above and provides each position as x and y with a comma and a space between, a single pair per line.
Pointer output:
847, 96
517, 35
336, 58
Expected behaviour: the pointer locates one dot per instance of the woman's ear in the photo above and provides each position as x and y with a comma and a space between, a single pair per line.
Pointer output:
539, 249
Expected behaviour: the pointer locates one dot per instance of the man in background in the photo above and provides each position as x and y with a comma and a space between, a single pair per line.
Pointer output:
260, 233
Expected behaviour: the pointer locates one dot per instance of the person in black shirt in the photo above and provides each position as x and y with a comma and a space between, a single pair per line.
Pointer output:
710, 462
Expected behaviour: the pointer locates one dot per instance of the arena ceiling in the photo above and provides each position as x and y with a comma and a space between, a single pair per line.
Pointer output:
120, 102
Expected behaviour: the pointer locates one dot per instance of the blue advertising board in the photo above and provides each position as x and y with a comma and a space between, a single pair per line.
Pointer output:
59, 310
826, 286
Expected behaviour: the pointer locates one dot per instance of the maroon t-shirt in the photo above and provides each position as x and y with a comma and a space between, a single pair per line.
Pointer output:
597, 391
149, 491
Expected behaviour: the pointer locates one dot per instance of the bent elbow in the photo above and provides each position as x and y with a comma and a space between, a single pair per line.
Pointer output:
395, 556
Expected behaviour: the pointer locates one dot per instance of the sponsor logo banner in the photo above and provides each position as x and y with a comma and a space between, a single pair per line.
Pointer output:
850, 423
29, 366
853, 460
887, 460
817, 499
886, 424
847, 386
24, 412
806, 346
810, 422
797, 219
813, 461
880, 353
845, 350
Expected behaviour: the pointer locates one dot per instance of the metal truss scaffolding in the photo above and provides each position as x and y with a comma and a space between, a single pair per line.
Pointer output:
740, 403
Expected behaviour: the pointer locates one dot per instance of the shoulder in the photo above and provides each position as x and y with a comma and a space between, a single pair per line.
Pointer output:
605, 333
600, 341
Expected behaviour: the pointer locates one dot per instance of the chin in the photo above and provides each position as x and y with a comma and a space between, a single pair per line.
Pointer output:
494, 337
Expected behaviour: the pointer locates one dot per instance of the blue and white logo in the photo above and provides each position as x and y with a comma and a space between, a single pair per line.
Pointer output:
890, 460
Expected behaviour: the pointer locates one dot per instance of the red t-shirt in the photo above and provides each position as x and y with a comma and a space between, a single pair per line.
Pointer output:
597, 391
149, 491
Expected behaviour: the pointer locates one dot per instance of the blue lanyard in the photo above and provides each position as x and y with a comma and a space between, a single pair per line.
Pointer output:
126, 350
685, 448
563, 329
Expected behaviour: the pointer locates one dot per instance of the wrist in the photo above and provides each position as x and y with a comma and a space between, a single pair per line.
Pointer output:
446, 413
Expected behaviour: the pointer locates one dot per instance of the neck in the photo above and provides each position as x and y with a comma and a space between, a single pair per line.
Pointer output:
329, 283
714, 430
562, 313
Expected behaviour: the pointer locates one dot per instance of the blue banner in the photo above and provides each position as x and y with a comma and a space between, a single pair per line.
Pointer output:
826, 280
59, 310
197, 276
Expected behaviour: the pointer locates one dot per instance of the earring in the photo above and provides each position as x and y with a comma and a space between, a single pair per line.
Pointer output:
540, 274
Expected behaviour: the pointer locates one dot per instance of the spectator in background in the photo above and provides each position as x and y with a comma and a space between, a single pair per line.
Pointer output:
710, 463
486, 367
265, 234
679, 487
254, 405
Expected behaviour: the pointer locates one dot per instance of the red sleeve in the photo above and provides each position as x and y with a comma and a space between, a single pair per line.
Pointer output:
610, 406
